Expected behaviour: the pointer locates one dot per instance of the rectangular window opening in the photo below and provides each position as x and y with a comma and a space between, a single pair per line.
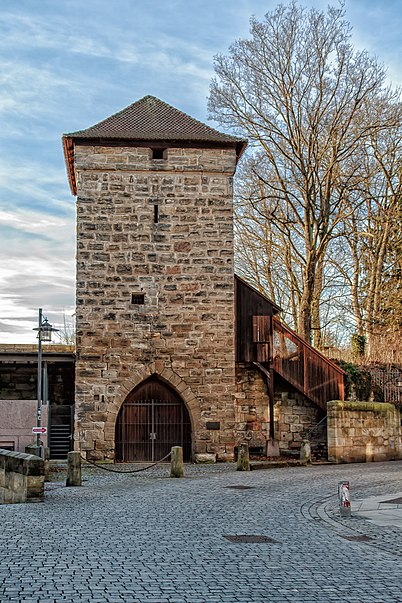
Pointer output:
156, 214
158, 154
138, 299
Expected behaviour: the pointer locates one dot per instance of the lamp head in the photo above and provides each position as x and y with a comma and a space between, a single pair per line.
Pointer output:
46, 330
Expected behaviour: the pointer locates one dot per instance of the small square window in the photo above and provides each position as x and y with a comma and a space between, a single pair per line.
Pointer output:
138, 299
158, 153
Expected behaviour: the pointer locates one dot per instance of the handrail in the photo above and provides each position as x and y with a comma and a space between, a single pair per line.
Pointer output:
304, 367
307, 345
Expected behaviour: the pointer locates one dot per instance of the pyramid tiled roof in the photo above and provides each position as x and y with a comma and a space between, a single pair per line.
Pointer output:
152, 119
147, 120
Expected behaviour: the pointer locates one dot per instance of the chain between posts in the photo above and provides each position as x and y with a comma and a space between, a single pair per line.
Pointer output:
127, 472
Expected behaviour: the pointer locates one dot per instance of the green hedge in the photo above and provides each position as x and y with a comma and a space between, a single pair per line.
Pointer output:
358, 377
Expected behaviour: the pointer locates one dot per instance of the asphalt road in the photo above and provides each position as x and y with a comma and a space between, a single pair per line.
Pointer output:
150, 538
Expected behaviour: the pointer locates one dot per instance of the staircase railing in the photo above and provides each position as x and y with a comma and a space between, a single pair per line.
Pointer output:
304, 367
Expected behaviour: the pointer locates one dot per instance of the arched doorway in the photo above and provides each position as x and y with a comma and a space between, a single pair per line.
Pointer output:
152, 419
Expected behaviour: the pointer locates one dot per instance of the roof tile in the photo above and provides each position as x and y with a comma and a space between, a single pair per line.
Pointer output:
152, 119
147, 120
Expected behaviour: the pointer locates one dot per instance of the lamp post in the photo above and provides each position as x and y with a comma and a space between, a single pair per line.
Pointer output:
45, 331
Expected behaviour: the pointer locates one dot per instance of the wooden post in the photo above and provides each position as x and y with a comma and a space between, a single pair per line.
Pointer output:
271, 397
305, 370
73, 469
243, 458
176, 462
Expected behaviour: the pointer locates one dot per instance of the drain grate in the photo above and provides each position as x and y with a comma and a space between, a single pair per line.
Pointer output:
240, 487
361, 538
394, 501
249, 538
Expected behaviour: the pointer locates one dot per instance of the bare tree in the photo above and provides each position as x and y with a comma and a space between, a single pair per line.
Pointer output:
66, 331
373, 233
299, 91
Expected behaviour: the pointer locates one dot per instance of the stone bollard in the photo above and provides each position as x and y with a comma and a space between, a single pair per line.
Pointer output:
345, 509
33, 449
243, 458
73, 469
46, 458
176, 462
305, 452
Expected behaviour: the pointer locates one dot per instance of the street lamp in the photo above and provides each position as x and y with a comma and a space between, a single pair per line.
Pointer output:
45, 331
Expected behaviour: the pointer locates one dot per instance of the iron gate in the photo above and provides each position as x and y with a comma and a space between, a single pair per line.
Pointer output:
153, 418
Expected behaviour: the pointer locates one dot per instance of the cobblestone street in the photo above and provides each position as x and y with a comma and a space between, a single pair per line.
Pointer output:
148, 538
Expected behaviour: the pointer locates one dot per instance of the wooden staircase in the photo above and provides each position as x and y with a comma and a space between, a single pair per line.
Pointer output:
262, 339
304, 367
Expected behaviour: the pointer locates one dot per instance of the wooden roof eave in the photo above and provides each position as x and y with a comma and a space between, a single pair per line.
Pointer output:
68, 148
276, 308
240, 148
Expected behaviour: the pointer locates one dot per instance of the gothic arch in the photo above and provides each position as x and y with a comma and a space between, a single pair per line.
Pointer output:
167, 375
151, 420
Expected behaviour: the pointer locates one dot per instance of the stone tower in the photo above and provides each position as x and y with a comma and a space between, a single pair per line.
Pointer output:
155, 278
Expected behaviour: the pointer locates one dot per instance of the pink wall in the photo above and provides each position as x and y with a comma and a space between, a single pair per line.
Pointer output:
17, 417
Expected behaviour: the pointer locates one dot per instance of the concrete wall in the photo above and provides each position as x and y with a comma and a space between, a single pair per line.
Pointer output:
22, 477
17, 419
183, 265
361, 432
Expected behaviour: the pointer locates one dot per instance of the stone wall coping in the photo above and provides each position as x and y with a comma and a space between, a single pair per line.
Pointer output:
377, 407
20, 462
22, 477
28, 347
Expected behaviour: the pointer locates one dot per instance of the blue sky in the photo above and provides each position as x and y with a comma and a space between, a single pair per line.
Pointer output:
67, 64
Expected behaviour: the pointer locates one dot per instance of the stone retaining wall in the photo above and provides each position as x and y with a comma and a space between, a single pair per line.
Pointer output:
360, 432
22, 477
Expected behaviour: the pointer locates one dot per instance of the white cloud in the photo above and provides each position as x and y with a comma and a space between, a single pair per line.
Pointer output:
31, 283
34, 181
66, 65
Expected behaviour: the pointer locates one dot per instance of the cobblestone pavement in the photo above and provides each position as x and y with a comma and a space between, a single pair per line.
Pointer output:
148, 538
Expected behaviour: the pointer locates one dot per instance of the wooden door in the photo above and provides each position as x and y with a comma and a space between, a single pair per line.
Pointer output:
152, 419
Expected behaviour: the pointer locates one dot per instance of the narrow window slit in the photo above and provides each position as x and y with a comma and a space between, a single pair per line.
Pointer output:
156, 214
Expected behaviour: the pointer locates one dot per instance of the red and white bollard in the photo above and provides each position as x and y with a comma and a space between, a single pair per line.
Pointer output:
344, 499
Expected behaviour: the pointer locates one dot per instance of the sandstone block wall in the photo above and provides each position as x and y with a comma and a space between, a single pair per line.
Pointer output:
22, 477
361, 432
252, 407
294, 417
162, 229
